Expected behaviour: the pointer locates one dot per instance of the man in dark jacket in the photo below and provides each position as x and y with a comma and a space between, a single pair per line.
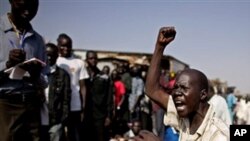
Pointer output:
57, 98
99, 101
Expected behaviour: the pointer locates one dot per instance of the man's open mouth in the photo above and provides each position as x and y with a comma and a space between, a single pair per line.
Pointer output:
179, 105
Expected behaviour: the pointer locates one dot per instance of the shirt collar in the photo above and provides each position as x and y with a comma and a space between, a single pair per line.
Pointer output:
6, 26
200, 131
205, 121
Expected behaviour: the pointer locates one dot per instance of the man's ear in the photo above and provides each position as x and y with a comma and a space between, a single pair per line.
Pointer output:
203, 95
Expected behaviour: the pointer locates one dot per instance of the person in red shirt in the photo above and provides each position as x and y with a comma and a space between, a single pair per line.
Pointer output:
119, 89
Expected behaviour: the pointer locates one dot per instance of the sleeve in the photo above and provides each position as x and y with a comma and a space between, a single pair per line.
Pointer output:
67, 96
110, 101
43, 81
218, 136
2, 65
83, 72
171, 117
140, 87
4, 51
234, 99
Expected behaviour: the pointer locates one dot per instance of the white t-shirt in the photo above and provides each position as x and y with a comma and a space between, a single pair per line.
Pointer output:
77, 71
221, 109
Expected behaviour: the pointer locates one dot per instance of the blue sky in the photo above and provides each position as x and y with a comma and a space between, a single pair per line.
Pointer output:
212, 36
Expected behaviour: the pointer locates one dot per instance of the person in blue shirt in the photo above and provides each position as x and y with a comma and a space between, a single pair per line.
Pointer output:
20, 99
231, 102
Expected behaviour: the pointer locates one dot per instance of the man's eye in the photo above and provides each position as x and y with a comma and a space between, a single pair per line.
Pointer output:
175, 87
184, 88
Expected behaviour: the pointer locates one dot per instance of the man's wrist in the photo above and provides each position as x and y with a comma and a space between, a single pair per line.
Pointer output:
160, 46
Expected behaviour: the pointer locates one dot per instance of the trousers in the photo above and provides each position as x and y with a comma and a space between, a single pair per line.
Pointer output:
19, 121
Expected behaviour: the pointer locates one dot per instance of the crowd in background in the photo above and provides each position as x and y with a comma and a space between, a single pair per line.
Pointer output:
128, 109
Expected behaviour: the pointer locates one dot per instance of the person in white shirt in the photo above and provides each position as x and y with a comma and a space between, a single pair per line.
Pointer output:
221, 110
78, 74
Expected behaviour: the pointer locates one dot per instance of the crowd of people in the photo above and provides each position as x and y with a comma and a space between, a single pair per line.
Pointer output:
71, 99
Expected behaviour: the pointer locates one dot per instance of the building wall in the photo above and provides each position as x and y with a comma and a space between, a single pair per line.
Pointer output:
168, 62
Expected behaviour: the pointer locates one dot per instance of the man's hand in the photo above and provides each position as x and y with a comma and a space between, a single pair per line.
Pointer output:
107, 122
165, 36
146, 136
16, 56
34, 68
82, 116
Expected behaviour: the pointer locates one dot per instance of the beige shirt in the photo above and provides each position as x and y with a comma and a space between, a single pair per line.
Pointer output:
171, 116
211, 128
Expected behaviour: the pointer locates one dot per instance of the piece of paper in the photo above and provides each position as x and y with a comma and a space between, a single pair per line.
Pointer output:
18, 73
33, 60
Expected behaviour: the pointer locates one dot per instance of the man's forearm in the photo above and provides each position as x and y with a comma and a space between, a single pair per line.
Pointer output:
153, 87
152, 82
83, 95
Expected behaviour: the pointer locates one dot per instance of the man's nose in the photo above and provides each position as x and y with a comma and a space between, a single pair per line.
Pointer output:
26, 12
177, 92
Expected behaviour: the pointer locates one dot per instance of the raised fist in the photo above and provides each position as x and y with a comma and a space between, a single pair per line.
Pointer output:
165, 36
